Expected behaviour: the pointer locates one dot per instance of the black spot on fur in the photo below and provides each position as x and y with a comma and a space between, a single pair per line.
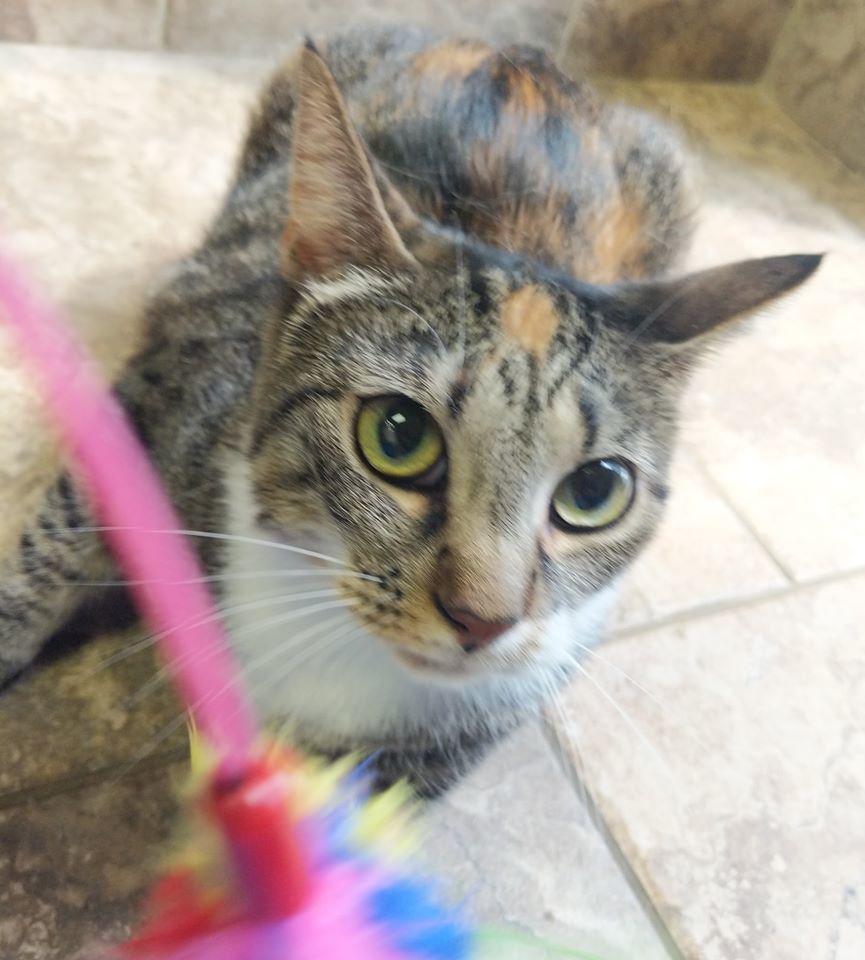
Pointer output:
479, 286
506, 376
71, 511
660, 491
532, 403
456, 397
152, 378
434, 521
590, 422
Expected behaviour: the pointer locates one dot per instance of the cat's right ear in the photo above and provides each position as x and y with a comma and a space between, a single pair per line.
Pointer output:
337, 215
690, 311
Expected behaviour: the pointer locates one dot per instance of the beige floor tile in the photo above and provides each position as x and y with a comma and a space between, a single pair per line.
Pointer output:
111, 165
703, 555
515, 840
270, 27
784, 436
96, 708
731, 40
778, 419
818, 73
73, 867
132, 24
16, 25
736, 784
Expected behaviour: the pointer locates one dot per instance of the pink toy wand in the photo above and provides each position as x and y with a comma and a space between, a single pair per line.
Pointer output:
141, 528
139, 522
300, 885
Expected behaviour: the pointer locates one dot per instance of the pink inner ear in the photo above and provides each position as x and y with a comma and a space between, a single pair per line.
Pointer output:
339, 216
303, 254
140, 524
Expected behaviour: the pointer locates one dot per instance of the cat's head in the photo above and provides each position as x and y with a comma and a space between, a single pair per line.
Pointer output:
487, 440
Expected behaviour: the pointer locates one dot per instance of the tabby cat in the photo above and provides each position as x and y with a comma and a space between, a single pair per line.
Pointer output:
427, 340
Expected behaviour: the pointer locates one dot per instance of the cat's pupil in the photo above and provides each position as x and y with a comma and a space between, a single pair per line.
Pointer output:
401, 429
592, 485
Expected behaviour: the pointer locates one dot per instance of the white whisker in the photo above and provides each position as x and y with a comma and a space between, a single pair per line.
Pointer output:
311, 646
254, 628
178, 721
229, 577
231, 537
223, 609
570, 756
300, 656
644, 740
164, 672
590, 651
642, 689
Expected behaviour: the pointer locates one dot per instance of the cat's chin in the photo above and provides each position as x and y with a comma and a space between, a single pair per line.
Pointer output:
462, 671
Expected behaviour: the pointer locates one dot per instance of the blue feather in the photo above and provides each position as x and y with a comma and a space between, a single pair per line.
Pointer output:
417, 922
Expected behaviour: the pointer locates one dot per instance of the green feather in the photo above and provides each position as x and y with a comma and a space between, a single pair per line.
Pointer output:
486, 940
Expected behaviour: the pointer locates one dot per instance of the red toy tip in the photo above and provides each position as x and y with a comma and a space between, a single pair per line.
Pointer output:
254, 814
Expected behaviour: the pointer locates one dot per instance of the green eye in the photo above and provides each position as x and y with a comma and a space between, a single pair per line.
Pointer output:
400, 440
593, 496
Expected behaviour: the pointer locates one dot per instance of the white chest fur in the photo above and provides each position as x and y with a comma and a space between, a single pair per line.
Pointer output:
310, 662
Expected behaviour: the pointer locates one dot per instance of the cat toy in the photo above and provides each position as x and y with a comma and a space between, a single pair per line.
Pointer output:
285, 859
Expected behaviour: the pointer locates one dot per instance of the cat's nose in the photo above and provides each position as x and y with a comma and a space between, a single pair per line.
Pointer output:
472, 632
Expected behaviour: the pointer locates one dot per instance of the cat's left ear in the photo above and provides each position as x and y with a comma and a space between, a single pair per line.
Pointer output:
337, 212
691, 309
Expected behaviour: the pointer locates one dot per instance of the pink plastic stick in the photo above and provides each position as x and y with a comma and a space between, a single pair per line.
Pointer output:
128, 498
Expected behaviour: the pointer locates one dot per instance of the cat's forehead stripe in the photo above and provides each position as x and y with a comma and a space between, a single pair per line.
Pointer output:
529, 319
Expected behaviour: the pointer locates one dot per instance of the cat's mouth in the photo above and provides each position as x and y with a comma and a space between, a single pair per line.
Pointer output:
429, 642
417, 662
459, 668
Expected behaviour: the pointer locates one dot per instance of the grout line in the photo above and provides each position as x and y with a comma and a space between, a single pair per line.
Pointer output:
164, 15
587, 799
735, 603
721, 491
785, 30
770, 96
584, 793
79, 781
562, 57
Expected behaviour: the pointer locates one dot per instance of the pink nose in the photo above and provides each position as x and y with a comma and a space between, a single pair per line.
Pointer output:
472, 632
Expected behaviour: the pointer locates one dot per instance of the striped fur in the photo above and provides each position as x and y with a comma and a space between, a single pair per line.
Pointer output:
465, 226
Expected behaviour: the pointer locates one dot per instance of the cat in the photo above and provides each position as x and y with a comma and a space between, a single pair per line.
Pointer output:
430, 342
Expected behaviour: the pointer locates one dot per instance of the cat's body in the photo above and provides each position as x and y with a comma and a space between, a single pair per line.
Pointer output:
455, 269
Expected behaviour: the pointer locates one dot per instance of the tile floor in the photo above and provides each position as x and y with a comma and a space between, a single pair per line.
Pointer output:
727, 782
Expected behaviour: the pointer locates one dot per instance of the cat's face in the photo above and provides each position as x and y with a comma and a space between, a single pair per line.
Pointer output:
487, 442
477, 441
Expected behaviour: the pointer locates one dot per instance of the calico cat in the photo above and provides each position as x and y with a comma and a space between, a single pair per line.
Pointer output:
427, 340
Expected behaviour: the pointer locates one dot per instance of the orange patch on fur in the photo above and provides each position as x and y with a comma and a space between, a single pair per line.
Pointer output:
529, 319
521, 225
524, 93
455, 60
620, 243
